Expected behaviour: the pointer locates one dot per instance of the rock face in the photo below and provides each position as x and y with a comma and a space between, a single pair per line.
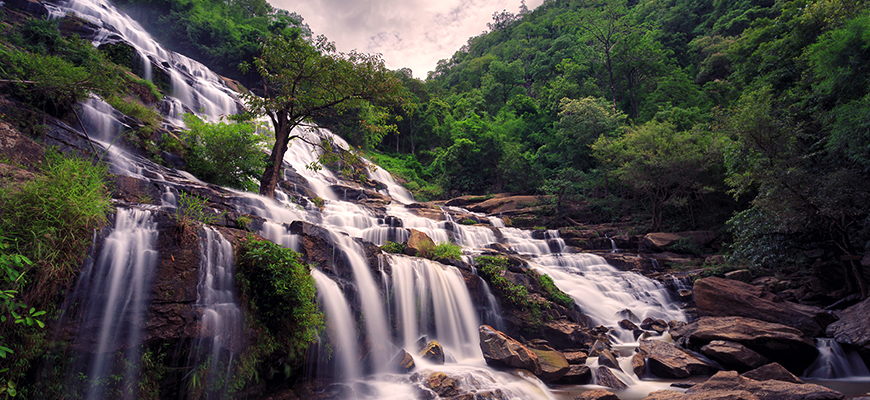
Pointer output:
764, 390
433, 352
780, 343
605, 377
576, 375
717, 297
403, 362
659, 241
853, 328
553, 364
417, 241
597, 394
501, 350
772, 371
733, 355
668, 361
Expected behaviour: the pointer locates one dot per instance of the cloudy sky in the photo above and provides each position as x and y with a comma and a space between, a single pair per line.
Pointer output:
408, 33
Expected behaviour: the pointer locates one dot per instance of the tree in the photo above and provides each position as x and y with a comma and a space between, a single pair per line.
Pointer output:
304, 79
662, 164
607, 24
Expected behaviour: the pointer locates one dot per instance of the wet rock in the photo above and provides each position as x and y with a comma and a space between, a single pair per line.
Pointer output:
656, 325
607, 358
783, 344
597, 347
772, 371
442, 385
502, 350
597, 394
566, 334
416, 242
717, 297
575, 357
853, 328
576, 375
742, 275
638, 364
711, 395
668, 361
553, 365
660, 241
733, 355
627, 325
764, 390
627, 314
605, 377
403, 362
433, 352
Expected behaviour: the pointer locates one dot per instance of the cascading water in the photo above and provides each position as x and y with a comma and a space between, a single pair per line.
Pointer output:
340, 325
221, 329
834, 362
112, 293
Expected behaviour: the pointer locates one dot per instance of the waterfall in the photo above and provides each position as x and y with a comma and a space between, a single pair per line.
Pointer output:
340, 325
112, 293
221, 330
834, 362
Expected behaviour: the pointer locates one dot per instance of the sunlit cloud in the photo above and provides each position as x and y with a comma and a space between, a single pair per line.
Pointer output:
411, 34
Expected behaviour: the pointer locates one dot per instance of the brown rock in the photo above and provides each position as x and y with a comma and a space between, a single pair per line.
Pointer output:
717, 297
416, 242
553, 365
853, 328
733, 355
711, 395
742, 275
403, 362
765, 390
442, 384
575, 357
433, 353
597, 394
576, 375
638, 364
772, 371
564, 334
500, 349
780, 343
668, 361
607, 358
605, 377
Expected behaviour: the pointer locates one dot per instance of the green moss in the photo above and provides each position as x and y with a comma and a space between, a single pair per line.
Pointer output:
491, 269
555, 294
445, 250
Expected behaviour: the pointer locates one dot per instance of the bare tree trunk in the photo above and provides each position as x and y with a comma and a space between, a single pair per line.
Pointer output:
274, 169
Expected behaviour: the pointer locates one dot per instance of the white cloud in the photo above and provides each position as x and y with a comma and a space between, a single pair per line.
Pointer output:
412, 33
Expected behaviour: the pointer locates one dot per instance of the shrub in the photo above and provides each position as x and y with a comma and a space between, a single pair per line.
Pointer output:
491, 268
468, 221
226, 154
192, 209
441, 251
393, 247
554, 293
282, 294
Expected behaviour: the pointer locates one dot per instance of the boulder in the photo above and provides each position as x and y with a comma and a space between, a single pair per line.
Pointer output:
553, 364
597, 394
597, 347
711, 395
607, 358
783, 344
668, 361
501, 350
638, 364
772, 371
733, 355
764, 390
417, 241
442, 385
403, 362
605, 377
717, 297
576, 375
742, 275
433, 353
659, 241
575, 357
564, 334
853, 328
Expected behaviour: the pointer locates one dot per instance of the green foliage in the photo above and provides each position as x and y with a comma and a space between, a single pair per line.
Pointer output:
282, 292
193, 210
468, 221
393, 247
685, 245
554, 293
318, 202
440, 251
226, 154
293, 69
491, 268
